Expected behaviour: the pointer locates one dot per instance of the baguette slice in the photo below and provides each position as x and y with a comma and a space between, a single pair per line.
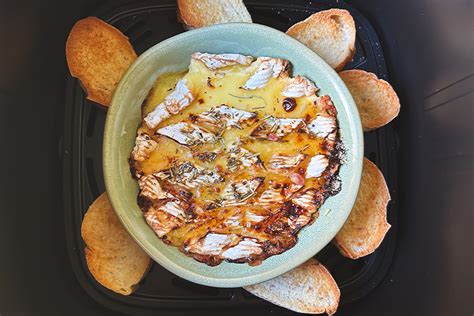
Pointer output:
113, 257
330, 34
98, 55
375, 98
367, 224
195, 14
309, 288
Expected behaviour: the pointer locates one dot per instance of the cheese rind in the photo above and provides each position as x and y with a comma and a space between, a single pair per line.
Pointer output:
229, 171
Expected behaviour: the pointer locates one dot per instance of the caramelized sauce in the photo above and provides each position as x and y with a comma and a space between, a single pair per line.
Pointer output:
212, 89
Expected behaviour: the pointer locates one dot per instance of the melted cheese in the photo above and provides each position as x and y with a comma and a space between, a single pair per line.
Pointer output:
211, 89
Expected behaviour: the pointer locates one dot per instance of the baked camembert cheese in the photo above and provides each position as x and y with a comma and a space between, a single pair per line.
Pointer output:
234, 157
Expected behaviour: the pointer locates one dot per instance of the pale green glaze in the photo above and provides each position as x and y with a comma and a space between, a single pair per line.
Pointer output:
174, 54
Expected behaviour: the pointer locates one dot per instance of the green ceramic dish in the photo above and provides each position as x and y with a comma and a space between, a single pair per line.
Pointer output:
124, 116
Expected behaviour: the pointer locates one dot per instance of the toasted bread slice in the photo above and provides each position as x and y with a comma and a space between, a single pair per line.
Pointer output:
330, 34
98, 55
367, 224
195, 14
113, 257
375, 98
309, 288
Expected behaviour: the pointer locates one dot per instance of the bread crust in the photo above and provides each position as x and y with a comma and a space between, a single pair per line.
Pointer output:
98, 55
376, 100
306, 32
114, 259
367, 224
196, 14
308, 288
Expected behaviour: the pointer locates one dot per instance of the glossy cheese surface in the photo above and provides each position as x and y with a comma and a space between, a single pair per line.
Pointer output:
237, 182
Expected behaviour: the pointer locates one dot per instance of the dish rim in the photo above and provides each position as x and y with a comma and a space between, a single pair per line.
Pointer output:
111, 130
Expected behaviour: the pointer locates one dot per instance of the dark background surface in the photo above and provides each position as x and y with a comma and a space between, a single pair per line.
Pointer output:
429, 49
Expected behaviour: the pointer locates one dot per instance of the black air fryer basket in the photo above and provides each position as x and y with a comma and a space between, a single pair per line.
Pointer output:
147, 24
